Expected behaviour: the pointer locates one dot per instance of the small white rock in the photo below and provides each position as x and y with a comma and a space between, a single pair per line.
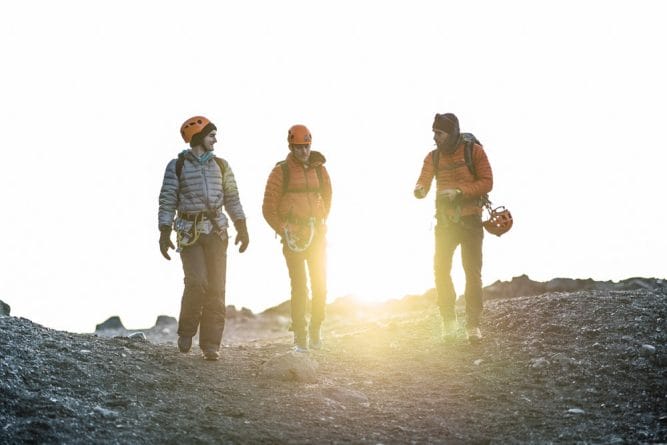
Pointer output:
105, 412
138, 336
648, 350
538, 363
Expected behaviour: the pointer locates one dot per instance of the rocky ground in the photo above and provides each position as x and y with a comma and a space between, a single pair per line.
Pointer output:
587, 366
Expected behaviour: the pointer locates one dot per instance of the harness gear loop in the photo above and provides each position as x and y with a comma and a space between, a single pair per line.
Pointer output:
292, 243
199, 217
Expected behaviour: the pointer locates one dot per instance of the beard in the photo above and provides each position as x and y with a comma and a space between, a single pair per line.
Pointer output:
450, 144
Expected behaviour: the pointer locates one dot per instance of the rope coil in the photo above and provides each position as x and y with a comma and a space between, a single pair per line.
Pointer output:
292, 243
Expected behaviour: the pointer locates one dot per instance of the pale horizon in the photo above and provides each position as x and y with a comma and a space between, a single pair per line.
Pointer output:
568, 99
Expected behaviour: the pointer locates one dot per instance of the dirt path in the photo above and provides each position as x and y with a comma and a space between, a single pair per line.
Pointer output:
561, 367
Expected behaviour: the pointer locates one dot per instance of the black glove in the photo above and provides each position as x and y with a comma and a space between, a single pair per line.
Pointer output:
165, 241
241, 235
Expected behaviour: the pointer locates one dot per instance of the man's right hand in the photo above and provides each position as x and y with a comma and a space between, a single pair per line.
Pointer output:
165, 242
419, 192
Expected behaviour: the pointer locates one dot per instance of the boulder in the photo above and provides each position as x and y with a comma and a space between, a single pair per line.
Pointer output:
111, 324
293, 366
4, 308
165, 321
247, 313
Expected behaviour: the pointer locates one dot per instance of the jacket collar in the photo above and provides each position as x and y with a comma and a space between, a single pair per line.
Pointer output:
316, 159
201, 160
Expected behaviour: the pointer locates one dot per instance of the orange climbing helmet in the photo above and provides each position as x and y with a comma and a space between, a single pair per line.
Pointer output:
499, 222
299, 134
193, 126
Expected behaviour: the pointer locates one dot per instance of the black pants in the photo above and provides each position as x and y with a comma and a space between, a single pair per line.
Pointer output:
315, 258
469, 235
203, 303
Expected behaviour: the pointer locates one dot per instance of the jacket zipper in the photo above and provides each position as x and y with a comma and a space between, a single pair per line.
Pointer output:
203, 173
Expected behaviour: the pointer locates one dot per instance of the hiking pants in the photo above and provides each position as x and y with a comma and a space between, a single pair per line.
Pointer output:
315, 259
469, 235
203, 303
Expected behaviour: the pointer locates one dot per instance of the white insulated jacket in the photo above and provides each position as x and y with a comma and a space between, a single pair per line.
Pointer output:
202, 187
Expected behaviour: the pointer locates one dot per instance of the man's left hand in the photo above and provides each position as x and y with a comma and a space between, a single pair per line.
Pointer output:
450, 194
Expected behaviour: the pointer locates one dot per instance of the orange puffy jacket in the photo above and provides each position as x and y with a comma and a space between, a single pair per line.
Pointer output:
453, 173
304, 198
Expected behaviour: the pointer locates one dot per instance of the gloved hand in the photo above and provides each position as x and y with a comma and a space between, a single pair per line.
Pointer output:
419, 192
449, 194
165, 241
241, 234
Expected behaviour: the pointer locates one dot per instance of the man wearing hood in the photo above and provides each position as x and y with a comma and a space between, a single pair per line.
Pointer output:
297, 199
195, 189
459, 194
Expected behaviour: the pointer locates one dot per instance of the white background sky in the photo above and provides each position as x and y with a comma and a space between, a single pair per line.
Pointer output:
568, 97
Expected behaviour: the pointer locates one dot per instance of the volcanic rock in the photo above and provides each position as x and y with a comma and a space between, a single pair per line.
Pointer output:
293, 366
111, 324
4, 308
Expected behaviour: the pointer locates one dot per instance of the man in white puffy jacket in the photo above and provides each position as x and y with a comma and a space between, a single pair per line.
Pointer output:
196, 187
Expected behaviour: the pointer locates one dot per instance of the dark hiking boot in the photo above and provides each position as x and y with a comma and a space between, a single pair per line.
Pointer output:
184, 344
211, 354
474, 335
315, 338
449, 329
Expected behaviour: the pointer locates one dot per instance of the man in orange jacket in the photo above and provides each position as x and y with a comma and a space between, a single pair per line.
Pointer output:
458, 212
296, 204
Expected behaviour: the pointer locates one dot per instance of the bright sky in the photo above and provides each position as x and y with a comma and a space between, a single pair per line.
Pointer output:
568, 97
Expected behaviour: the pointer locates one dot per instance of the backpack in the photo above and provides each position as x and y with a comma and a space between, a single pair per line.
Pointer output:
286, 176
181, 161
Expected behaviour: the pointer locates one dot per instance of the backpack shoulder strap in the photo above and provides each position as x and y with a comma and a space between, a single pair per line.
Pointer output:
470, 140
285, 168
318, 170
179, 164
467, 154
181, 161
221, 163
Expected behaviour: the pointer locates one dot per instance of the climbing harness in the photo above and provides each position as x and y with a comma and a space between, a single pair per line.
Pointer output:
198, 217
292, 243
290, 240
